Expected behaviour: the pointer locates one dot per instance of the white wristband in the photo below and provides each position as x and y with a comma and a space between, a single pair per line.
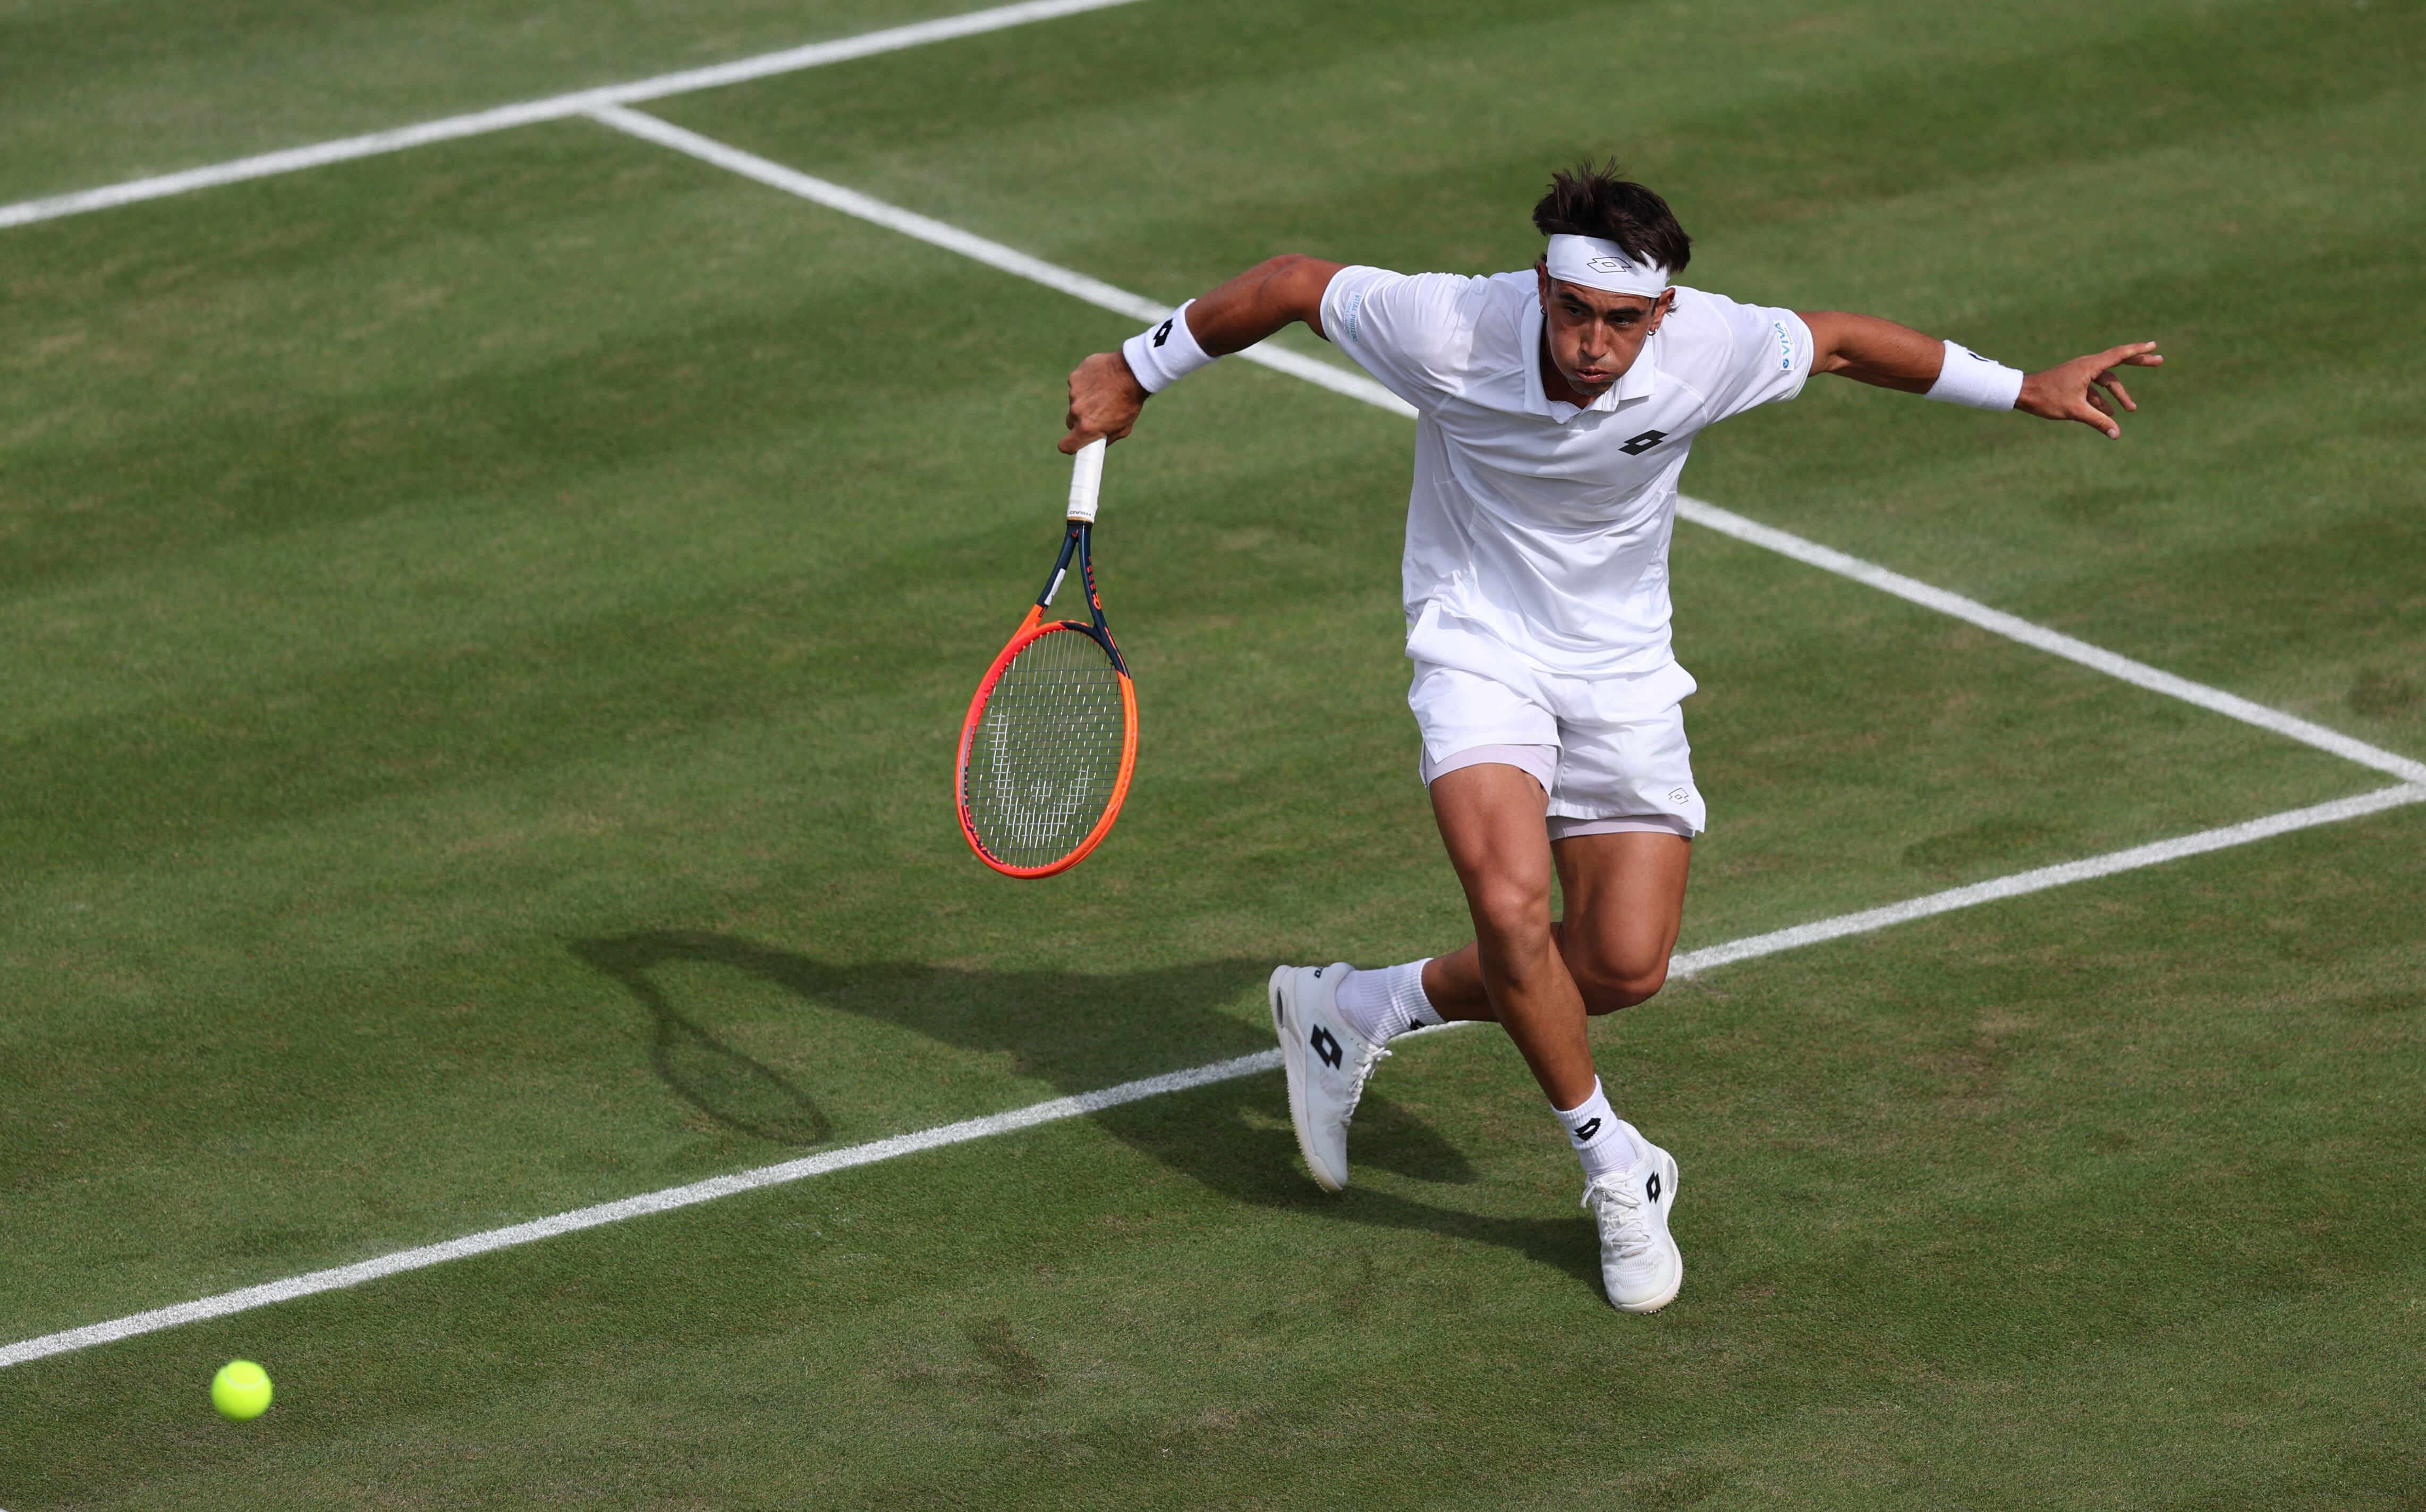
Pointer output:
1982, 383
1166, 354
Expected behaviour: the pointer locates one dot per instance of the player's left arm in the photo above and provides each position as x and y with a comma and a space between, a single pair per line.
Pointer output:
1869, 350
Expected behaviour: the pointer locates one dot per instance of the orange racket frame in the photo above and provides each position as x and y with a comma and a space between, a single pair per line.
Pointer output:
1085, 485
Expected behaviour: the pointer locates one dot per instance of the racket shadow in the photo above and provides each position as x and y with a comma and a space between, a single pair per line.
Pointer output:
1076, 1032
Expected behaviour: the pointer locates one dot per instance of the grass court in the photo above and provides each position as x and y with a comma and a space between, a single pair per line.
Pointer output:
485, 627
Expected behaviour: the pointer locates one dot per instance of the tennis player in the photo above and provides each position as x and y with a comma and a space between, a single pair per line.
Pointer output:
1555, 408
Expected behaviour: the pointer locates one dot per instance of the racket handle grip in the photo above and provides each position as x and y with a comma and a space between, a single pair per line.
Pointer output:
1087, 481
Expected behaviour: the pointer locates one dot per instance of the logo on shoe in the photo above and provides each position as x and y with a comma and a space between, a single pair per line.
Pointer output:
1651, 1187
1326, 1046
1592, 1127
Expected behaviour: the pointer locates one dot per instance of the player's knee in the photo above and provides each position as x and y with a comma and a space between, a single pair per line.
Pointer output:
1607, 989
1511, 910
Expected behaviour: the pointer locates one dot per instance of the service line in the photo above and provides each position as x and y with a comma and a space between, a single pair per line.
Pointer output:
554, 107
1357, 386
1056, 1109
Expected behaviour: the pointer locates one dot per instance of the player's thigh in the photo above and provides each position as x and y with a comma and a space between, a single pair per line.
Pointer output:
1490, 753
1625, 904
1490, 818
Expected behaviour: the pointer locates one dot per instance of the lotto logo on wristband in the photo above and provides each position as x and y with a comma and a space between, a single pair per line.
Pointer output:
1165, 353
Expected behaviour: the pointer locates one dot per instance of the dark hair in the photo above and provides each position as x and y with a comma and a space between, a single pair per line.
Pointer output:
1591, 201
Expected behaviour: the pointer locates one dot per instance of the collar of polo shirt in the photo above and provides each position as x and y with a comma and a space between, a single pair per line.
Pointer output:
1637, 382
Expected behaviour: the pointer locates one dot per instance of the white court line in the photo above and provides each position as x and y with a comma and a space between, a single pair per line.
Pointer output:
1356, 386
2140, 674
1867, 920
671, 1198
953, 239
556, 107
2062, 874
1009, 260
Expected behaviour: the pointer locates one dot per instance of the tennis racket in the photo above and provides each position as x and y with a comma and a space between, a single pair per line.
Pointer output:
1051, 737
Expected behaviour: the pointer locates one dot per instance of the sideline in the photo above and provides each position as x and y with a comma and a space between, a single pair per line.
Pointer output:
968, 244
554, 107
1357, 386
1691, 963
2054, 642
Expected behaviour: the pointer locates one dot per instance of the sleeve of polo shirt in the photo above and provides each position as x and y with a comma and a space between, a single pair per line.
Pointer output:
1763, 354
1405, 329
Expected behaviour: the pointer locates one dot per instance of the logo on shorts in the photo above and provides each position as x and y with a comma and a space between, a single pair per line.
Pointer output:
1643, 443
1680, 795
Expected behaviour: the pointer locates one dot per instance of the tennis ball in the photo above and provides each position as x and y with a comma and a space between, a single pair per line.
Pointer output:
241, 1391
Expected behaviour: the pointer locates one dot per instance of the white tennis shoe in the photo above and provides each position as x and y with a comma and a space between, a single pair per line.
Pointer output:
1328, 1061
1640, 1267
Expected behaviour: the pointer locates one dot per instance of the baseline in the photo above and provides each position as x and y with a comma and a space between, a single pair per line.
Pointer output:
1356, 386
554, 107
1869, 920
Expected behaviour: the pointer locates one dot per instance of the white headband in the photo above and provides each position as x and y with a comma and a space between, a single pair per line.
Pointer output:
1605, 265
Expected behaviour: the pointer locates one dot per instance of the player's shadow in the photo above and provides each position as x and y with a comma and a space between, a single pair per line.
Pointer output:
1077, 1033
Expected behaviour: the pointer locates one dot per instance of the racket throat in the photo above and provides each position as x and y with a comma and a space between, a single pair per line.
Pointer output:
1073, 544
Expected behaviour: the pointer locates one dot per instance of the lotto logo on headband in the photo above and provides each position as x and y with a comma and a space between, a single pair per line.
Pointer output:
1599, 263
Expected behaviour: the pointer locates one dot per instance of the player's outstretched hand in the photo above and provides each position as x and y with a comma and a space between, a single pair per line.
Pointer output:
1105, 400
2087, 389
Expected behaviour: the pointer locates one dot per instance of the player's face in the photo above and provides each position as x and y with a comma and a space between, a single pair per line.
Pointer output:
1594, 336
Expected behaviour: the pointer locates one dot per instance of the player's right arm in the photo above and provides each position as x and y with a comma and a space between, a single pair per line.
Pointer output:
1105, 397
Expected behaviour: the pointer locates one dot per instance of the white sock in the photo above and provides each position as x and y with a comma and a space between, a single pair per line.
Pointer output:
1385, 1004
1600, 1140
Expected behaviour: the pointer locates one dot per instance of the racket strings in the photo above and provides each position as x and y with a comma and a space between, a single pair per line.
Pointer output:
1046, 758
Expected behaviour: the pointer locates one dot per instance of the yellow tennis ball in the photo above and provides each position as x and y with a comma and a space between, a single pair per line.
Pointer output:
241, 1391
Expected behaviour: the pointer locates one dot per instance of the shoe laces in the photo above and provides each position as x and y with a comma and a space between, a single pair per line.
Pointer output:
1621, 1210
1374, 1056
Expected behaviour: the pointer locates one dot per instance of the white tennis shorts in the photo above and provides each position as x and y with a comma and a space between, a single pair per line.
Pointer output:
1607, 767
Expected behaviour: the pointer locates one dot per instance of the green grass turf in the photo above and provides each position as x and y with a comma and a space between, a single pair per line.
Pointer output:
487, 626
2039, 1205
93, 91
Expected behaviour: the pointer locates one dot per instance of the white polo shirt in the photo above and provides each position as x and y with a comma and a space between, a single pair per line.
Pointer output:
1537, 533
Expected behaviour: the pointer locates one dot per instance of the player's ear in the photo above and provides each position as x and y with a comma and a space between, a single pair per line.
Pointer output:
1541, 282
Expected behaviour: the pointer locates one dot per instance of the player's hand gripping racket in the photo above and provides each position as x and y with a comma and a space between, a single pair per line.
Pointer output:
1051, 736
